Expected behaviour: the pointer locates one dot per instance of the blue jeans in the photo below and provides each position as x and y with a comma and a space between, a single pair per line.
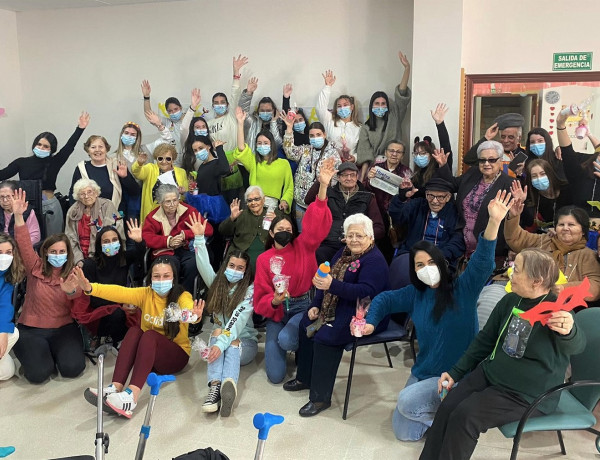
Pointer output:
417, 404
227, 365
283, 337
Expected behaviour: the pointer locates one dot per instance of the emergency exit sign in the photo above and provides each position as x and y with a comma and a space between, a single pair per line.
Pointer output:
571, 61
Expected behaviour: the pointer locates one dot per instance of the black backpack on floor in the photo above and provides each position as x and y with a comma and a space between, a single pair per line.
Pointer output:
203, 454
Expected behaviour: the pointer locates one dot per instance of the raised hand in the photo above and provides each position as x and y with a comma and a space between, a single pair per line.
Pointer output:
518, 193
70, 283
196, 98
440, 157
403, 59
142, 157
134, 231
238, 63
218, 143
287, 90
329, 77
289, 122
152, 118
146, 88
499, 206
252, 85
195, 224
82, 281
439, 113
326, 171
20, 202
235, 209
491, 132
84, 120
121, 169
198, 308
561, 119
240, 115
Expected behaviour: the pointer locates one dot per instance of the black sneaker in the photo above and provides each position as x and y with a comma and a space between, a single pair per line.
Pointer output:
213, 400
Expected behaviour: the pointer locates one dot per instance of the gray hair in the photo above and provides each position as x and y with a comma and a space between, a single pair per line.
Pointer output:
490, 145
85, 183
252, 189
360, 219
165, 189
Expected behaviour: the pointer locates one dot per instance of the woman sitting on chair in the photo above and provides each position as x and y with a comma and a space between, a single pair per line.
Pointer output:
507, 370
358, 270
444, 311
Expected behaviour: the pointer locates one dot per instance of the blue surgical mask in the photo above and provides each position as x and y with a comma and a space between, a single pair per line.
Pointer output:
57, 260
538, 149
299, 127
263, 149
127, 140
265, 116
220, 109
344, 112
175, 116
41, 153
162, 288
202, 155
421, 160
233, 276
317, 142
379, 111
111, 249
201, 132
541, 183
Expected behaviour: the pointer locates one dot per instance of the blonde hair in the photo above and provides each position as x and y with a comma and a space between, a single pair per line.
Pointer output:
163, 149
16, 274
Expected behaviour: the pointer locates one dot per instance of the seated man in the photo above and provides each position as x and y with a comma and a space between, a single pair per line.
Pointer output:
344, 199
7, 221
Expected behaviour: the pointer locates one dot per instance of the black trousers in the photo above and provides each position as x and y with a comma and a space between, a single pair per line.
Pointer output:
113, 326
469, 409
317, 366
41, 351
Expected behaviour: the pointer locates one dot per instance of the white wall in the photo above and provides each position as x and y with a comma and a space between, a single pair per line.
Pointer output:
11, 123
95, 58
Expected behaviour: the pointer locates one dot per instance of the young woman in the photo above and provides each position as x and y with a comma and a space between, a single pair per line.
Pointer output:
270, 173
129, 147
12, 272
49, 339
156, 345
45, 165
300, 121
444, 311
540, 145
293, 256
233, 341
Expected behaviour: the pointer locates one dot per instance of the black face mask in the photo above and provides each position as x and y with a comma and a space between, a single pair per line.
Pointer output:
283, 238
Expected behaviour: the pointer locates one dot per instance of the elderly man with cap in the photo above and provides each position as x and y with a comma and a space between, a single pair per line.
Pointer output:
510, 126
344, 199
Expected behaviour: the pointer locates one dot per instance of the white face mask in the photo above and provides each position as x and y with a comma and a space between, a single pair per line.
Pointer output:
429, 274
5, 261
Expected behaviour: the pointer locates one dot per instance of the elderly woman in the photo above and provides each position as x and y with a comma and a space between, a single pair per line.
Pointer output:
153, 175
249, 229
444, 310
89, 214
166, 233
567, 247
505, 379
7, 221
358, 270
474, 190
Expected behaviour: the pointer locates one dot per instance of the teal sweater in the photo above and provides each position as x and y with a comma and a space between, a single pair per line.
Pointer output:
542, 366
441, 344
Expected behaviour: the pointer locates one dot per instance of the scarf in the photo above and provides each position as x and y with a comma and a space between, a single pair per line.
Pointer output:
562, 249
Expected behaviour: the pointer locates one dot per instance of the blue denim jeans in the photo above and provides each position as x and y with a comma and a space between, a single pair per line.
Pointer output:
227, 365
417, 404
283, 337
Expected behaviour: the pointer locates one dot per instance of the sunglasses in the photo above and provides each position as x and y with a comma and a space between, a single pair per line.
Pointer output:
252, 200
488, 160
167, 159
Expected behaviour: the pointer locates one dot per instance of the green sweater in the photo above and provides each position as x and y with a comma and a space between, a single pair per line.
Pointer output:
542, 366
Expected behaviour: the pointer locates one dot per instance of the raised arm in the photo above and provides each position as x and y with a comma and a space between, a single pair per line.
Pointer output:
146, 90
438, 115
322, 107
240, 116
65, 152
238, 63
206, 271
406, 75
561, 130
22, 237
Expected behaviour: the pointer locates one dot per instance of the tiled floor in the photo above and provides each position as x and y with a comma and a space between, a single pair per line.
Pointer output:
53, 420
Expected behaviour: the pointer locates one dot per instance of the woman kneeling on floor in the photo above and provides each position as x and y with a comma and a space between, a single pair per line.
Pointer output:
233, 341
158, 345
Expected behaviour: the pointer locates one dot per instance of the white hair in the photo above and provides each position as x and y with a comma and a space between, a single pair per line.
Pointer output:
252, 189
163, 190
490, 145
360, 219
85, 183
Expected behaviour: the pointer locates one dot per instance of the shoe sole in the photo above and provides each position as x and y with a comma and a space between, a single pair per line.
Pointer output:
108, 407
93, 399
228, 395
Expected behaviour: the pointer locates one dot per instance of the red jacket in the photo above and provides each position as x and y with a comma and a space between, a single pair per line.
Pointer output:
157, 232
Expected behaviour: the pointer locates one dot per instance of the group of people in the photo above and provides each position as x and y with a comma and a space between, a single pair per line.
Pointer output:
249, 204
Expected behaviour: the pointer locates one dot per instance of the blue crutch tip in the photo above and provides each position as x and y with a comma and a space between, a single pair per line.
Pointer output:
154, 381
264, 422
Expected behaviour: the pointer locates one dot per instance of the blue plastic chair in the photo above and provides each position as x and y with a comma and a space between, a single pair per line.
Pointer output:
577, 397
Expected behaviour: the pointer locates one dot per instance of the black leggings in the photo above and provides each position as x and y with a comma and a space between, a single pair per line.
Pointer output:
41, 351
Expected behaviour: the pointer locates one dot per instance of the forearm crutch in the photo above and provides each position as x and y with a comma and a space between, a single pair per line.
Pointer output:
263, 423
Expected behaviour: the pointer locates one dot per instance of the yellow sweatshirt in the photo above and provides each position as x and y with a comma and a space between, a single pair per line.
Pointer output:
152, 306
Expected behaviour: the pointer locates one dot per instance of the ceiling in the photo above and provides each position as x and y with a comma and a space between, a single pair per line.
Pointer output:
30, 5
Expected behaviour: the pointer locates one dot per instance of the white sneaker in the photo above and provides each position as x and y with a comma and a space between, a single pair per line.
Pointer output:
121, 403
228, 395
213, 400
91, 394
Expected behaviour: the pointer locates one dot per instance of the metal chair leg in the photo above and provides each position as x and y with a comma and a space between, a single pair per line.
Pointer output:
349, 385
515, 448
561, 442
387, 352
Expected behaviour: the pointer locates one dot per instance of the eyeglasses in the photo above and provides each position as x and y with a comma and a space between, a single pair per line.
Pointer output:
491, 161
347, 175
252, 200
439, 198
167, 159
89, 193
420, 152
6, 198
355, 236
170, 202
397, 152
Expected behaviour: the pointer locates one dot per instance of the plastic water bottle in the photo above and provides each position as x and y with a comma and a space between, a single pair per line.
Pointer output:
266, 223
